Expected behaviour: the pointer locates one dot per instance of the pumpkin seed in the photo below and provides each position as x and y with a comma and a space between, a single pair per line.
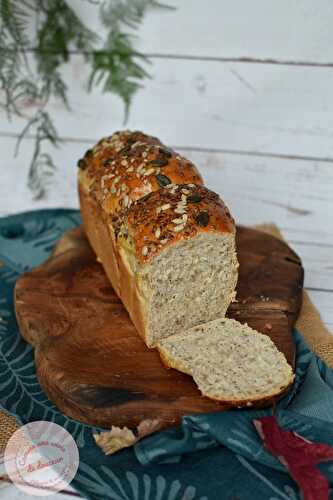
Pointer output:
202, 219
159, 162
143, 198
163, 180
82, 164
194, 198
165, 152
107, 161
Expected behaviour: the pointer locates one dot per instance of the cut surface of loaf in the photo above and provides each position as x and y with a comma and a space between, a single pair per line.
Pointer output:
230, 362
179, 247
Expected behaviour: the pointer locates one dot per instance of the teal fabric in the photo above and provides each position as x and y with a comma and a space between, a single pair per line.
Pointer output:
214, 456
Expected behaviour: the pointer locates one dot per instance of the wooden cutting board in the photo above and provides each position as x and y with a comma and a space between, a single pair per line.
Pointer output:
90, 360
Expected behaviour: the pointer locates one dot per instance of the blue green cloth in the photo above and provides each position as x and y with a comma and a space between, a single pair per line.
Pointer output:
214, 456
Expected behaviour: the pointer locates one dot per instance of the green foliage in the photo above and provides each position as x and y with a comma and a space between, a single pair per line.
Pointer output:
115, 64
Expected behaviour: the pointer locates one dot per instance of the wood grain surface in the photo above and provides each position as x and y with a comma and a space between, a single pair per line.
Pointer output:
89, 358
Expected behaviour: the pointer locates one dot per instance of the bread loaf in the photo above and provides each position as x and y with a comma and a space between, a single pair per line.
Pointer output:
166, 242
229, 362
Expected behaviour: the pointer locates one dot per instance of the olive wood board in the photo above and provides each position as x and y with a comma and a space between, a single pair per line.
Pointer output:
91, 362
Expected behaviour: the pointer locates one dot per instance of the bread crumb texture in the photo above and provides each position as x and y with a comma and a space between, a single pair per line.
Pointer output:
229, 362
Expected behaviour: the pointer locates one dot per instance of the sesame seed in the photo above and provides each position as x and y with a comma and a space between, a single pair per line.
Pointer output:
123, 187
186, 191
184, 218
180, 210
117, 179
191, 185
124, 163
164, 241
144, 154
166, 206
158, 233
144, 250
130, 169
184, 198
126, 200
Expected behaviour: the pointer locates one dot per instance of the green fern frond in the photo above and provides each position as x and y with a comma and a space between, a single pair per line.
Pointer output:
116, 68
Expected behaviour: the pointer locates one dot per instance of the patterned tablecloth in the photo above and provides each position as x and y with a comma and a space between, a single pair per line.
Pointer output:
214, 456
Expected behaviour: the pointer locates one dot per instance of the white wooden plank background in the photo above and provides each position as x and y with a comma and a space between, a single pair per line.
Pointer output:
242, 88
283, 31
271, 109
261, 132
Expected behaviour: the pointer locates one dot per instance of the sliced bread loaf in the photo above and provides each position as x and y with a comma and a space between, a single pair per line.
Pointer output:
229, 362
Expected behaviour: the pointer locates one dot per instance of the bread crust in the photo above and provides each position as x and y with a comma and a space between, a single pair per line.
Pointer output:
102, 238
119, 186
171, 215
127, 166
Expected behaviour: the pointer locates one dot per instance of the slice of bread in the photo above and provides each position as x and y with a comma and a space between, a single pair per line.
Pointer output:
229, 362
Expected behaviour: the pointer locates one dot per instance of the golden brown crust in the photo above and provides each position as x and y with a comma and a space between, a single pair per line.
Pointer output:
127, 166
172, 214
102, 239
123, 178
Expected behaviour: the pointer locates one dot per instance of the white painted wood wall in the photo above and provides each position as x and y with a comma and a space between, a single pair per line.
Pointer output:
245, 89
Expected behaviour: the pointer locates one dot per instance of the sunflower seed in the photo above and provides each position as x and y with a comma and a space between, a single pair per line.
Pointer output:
178, 221
179, 228
180, 210
149, 172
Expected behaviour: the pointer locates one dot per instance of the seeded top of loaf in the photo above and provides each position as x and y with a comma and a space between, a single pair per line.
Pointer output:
128, 165
178, 211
